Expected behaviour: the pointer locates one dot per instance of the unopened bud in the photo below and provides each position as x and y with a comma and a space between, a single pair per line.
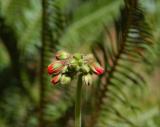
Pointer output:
85, 68
77, 56
97, 69
65, 80
73, 61
56, 79
62, 55
87, 79
65, 69
55, 67
74, 64
80, 62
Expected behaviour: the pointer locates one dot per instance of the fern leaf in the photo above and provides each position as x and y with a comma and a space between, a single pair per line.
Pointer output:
133, 38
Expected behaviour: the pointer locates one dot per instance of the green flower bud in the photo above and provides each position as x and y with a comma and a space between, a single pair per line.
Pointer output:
77, 68
65, 69
85, 68
87, 79
62, 55
65, 80
77, 56
74, 64
80, 62
73, 61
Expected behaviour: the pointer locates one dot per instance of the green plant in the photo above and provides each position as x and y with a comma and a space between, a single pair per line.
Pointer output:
128, 41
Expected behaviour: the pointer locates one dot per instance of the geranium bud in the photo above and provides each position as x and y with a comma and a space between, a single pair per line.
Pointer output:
74, 64
97, 69
80, 62
77, 68
77, 56
87, 79
56, 79
65, 69
62, 55
55, 67
85, 68
65, 80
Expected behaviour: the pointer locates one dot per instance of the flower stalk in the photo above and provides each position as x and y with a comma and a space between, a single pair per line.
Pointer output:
78, 103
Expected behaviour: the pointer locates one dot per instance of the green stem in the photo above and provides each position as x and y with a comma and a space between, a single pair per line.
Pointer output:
78, 103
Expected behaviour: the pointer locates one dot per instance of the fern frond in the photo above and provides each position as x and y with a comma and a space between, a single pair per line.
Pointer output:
88, 24
52, 29
132, 39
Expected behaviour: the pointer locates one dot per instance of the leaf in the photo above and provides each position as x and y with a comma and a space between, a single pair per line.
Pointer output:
132, 37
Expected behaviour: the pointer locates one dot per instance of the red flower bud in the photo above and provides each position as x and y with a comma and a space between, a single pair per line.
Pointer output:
56, 79
55, 67
97, 69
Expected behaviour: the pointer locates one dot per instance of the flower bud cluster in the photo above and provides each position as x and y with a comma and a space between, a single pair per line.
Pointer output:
66, 66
